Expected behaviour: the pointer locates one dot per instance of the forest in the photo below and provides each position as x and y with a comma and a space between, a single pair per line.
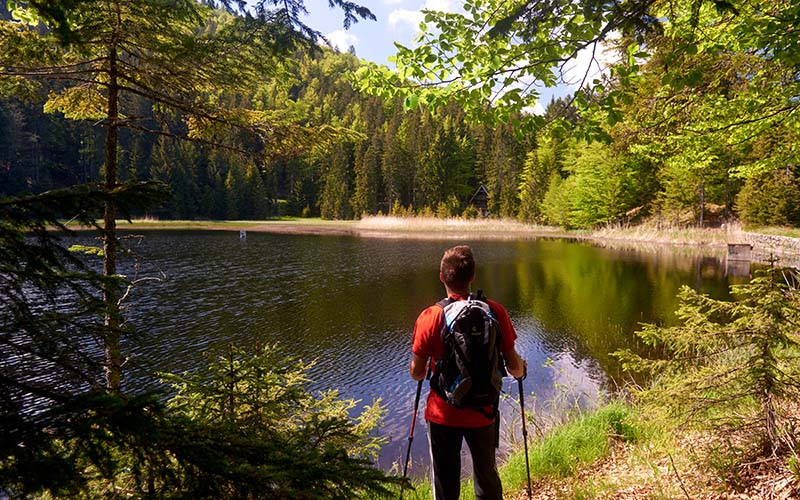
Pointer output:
231, 109
641, 161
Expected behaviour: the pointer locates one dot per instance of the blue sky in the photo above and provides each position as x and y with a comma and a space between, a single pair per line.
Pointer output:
398, 20
373, 40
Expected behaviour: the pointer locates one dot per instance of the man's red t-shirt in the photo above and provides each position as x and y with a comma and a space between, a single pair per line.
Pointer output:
427, 343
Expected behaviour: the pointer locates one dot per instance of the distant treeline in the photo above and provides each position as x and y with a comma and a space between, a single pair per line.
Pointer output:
398, 162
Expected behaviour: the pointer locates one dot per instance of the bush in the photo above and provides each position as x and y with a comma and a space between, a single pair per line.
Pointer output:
470, 212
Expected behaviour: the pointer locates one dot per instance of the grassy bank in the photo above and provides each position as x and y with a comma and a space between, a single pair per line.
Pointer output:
618, 452
567, 450
561, 454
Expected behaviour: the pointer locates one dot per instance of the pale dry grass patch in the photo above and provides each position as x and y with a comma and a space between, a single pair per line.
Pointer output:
673, 235
147, 219
494, 228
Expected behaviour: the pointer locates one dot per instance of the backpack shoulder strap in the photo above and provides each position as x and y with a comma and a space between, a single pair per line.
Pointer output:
444, 302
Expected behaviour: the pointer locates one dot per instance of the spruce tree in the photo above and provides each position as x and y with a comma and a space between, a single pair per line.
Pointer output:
731, 367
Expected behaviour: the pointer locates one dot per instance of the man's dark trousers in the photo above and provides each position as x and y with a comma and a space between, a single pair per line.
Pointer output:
445, 443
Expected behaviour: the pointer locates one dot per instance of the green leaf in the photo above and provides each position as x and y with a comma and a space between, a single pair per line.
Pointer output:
21, 14
694, 77
411, 102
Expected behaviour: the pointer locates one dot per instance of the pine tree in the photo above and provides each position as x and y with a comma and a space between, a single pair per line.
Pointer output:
395, 165
429, 174
255, 201
502, 175
234, 195
532, 188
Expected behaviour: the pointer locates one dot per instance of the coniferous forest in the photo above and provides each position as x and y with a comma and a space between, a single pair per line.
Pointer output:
395, 161
398, 160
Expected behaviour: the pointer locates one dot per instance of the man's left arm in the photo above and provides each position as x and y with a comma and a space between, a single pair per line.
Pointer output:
418, 367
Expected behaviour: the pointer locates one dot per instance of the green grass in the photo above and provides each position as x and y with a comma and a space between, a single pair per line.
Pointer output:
791, 232
559, 454
567, 448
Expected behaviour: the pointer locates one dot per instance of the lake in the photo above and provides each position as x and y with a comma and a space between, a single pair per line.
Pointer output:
350, 304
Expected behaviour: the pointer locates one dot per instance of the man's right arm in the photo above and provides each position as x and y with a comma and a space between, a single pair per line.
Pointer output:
515, 365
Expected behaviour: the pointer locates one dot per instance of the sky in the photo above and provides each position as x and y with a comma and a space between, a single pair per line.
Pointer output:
373, 40
398, 20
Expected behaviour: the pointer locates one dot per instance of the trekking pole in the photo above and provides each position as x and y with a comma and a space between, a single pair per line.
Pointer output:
524, 433
411, 434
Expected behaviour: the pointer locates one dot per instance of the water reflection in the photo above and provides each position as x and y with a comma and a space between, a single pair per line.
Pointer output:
350, 304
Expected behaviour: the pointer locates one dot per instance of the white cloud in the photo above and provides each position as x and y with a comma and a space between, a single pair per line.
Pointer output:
405, 16
537, 110
442, 5
342, 40
392, 2
584, 66
413, 17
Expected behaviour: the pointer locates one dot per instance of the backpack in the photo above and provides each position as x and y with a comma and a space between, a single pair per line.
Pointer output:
469, 373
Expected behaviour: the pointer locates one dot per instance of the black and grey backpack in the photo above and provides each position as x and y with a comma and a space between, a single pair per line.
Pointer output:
469, 373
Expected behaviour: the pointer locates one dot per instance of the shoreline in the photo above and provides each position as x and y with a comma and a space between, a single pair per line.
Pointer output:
765, 246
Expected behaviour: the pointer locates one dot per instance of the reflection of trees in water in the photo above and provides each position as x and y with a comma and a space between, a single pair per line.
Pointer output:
588, 301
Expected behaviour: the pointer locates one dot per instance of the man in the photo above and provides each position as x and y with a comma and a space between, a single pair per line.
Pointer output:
448, 425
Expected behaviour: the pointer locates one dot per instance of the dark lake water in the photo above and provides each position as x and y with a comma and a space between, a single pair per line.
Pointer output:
350, 303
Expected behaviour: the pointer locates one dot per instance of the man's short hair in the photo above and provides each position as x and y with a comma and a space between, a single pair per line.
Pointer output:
458, 267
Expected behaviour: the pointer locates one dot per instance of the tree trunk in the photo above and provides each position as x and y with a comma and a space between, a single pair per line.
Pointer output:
113, 354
